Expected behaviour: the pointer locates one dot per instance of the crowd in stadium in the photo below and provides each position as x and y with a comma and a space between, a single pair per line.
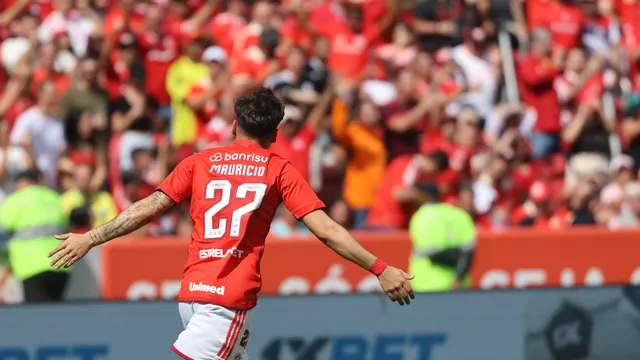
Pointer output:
386, 101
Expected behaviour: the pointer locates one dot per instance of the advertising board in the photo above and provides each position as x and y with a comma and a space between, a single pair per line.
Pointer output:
151, 268
83, 285
555, 324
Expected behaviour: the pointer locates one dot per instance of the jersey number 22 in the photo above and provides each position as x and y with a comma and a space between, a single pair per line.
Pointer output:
226, 189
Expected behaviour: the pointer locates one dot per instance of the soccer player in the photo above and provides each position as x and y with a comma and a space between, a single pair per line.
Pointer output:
235, 191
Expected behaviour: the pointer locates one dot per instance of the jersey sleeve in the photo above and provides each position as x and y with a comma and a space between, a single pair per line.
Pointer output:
297, 194
179, 183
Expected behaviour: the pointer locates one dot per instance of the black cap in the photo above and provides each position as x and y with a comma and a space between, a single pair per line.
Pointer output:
429, 189
270, 37
30, 174
441, 158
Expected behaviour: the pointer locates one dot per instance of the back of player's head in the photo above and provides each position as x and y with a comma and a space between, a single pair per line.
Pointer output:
259, 112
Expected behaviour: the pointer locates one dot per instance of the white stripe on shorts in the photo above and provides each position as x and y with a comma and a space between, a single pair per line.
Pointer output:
232, 335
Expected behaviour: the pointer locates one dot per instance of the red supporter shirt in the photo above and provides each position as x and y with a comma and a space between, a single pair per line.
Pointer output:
160, 51
537, 90
537, 12
115, 19
296, 149
253, 66
16, 109
235, 191
629, 14
627, 11
209, 108
295, 34
373, 11
218, 132
348, 53
116, 75
566, 23
386, 212
246, 38
224, 28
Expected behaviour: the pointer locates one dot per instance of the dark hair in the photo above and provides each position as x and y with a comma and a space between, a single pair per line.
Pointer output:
430, 190
80, 217
71, 126
139, 151
33, 175
259, 112
441, 158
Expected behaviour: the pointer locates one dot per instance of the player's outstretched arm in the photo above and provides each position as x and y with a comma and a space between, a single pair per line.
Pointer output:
75, 246
394, 282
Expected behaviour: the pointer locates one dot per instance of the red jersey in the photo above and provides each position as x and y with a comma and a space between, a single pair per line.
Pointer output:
296, 149
224, 28
566, 23
386, 212
160, 51
235, 191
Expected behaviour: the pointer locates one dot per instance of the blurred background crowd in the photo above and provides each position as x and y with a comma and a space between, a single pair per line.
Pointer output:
523, 113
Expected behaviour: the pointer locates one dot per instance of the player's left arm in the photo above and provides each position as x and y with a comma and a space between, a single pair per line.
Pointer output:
394, 282
302, 201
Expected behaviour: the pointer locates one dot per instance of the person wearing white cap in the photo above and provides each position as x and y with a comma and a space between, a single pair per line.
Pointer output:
214, 54
203, 96
205, 92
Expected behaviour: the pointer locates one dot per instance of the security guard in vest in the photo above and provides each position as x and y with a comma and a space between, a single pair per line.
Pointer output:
443, 238
30, 217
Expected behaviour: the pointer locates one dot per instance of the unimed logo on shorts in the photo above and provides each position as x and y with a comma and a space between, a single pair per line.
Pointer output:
193, 287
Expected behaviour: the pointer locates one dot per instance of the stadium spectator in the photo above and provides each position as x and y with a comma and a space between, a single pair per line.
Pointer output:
399, 194
255, 65
629, 216
86, 93
363, 139
80, 23
42, 130
182, 75
100, 204
14, 159
29, 218
443, 238
537, 74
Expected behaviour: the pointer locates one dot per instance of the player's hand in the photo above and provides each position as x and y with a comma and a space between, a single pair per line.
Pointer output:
395, 284
73, 248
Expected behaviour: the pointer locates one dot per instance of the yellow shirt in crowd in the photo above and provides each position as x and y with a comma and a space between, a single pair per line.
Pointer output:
102, 206
182, 75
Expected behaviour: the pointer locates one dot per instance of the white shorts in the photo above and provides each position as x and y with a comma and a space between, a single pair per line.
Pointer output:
212, 332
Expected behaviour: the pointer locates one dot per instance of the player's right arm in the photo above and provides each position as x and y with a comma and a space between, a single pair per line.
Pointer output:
301, 200
173, 189
76, 246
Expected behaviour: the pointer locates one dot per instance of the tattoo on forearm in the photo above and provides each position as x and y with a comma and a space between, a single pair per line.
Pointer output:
133, 218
